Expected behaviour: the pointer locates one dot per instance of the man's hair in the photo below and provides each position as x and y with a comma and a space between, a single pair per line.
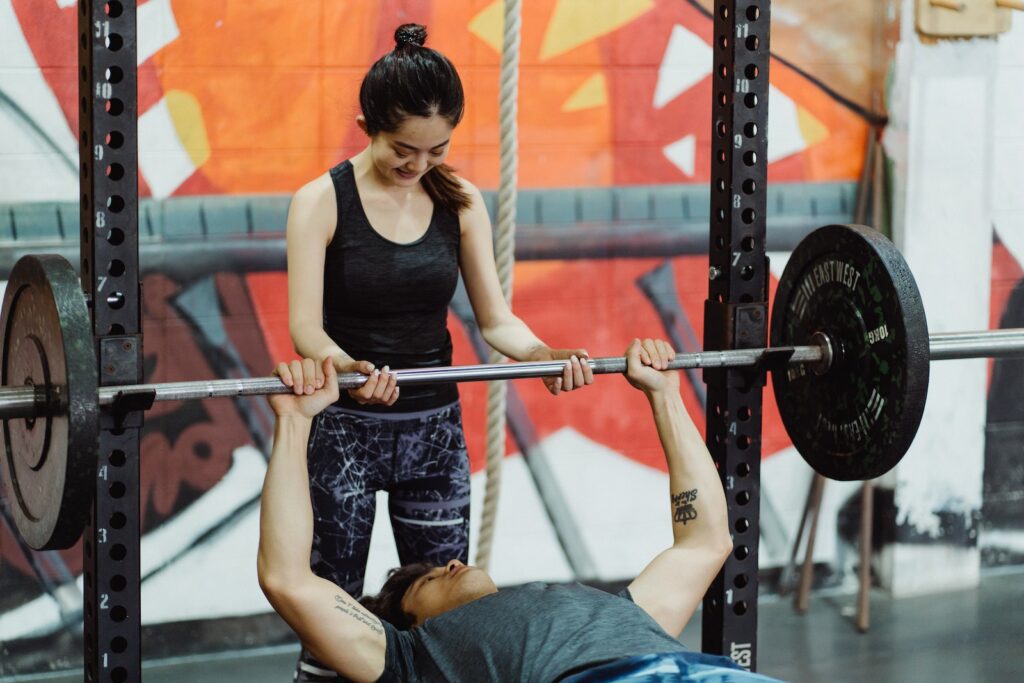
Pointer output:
387, 604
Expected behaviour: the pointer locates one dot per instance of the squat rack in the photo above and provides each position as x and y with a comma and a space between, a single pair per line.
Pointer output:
735, 317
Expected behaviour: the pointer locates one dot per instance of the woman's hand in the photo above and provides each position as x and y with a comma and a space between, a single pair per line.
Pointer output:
577, 371
380, 388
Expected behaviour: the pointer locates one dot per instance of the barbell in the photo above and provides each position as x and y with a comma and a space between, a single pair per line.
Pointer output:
849, 354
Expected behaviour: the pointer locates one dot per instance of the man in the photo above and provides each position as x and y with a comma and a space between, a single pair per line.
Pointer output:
462, 627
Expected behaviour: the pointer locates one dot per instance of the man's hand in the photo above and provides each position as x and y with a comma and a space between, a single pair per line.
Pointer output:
646, 364
313, 388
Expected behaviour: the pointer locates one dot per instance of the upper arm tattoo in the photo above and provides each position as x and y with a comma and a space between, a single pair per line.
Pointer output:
682, 506
353, 610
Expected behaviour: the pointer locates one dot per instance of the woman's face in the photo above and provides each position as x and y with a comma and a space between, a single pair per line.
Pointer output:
404, 156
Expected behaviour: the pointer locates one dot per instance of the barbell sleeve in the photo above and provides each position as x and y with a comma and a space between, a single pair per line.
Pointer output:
981, 344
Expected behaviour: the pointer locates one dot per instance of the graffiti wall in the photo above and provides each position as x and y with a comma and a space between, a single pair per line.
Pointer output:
240, 98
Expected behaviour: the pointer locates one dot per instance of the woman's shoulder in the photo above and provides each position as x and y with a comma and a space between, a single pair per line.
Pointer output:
467, 187
313, 206
318, 191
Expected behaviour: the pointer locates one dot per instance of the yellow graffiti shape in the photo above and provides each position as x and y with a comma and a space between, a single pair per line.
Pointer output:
812, 130
489, 25
592, 93
187, 116
575, 22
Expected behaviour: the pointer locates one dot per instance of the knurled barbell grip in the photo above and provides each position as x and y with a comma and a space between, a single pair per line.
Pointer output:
19, 402
178, 391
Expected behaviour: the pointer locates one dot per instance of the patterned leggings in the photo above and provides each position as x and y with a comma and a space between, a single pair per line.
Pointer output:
420, 459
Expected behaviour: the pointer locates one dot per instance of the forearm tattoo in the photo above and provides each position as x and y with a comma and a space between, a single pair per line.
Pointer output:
682, 506
351, 610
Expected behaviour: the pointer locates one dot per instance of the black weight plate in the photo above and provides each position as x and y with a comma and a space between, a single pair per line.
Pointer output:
857, 420
50, 460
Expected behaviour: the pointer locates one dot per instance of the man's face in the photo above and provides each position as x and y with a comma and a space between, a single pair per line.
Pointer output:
445, 588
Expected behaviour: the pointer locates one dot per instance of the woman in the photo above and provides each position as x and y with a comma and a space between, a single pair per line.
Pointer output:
375, 248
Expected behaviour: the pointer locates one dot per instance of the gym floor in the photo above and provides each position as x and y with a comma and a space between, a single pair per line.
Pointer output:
964, 637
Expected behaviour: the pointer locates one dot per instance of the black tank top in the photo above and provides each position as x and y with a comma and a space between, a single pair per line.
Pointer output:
387, 302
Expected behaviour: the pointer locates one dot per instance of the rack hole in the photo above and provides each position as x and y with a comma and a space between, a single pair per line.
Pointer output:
740, 581
751, 71
118, 520
742, 524
118, 552
119, 644
114, 106
116, 300
115, 42
115, 203
740, 608
115, 236
743, 442
753, 12
115, 268
114, 139
721, 128
750, 100
743, 497
114, 74
115, 171
742, 552
117, 490
750, 158
750, 129
118, 613
748, 242
723, 11
752, 43
747, 272
118, 583
113, 9
749, 186
116, 328
748, 216
723, 42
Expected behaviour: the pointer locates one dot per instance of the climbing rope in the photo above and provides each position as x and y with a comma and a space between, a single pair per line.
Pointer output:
504, 256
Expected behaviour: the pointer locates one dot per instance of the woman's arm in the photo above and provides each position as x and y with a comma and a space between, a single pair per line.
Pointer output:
312, 220
500, 328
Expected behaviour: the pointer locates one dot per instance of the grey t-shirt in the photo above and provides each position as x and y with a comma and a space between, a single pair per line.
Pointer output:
536, 632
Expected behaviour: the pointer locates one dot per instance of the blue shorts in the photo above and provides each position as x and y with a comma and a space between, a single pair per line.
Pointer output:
674, 667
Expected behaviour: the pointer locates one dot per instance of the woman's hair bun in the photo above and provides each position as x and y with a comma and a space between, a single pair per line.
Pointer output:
410, 34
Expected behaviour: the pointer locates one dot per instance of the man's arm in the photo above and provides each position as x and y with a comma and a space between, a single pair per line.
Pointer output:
330, 623
672, 585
